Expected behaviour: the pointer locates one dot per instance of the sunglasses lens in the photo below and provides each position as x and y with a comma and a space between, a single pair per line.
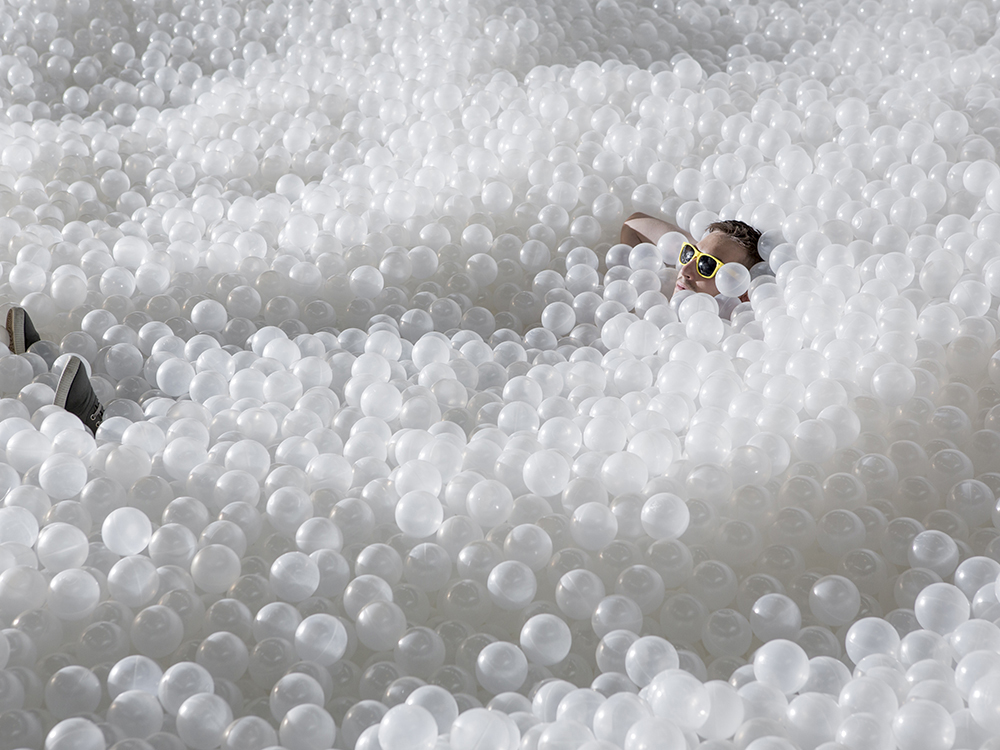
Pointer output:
706, 266
687, 253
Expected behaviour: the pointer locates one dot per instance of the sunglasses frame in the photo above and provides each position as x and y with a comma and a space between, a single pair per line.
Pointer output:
697, 255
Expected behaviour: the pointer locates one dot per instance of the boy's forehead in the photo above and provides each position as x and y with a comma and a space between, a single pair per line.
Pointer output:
716, 243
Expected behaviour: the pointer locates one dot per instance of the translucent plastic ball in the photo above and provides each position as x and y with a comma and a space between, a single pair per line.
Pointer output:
318, 534
665, 516
941, 607
133, 581
73, 595
934, 550
642, 338
781, 664
215, 567
181, 455
530, 544
288, 508
545, 639
865, 731
407, 727
489, 503
593, 526
380, 625
294, 576
705, 325
419, 514
727, 712
294, 689
546, 473
984, 702
834, 600
21, 588
558, 317
616, 612
126, 531
566, 733
134, 673
680, 697
71, 691
708, 443
871, 635
813, 718
617, 715
362, 590
511, 585
75, 734
814, 440
974, 635
733, 279
726, 634
321, 639
480, 729
611, 651
501, 667
61, 546
623, 473
439, 702
180, 682
27, 448
18, 525
249, 733
157, 631
647, 657
209, 315
650, 733
174, 376
578, 593
202, 721
775, 616
923, 725
62, 476
381, 400
136, 714
605, 434
894, 384
418, 475
307, 727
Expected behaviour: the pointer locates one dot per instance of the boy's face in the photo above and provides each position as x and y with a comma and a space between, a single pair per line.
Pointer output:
718, 245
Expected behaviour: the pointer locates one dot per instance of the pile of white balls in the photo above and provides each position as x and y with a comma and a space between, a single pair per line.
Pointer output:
403, 451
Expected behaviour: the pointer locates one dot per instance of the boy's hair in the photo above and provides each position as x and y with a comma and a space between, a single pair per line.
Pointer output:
744, 234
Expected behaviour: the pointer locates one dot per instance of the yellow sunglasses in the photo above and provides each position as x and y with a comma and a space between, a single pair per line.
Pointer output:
707, 265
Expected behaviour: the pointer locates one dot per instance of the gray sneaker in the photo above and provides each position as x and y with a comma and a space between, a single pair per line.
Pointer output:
75, 394
20, 330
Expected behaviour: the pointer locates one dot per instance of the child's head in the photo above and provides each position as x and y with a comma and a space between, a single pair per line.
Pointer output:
727, 242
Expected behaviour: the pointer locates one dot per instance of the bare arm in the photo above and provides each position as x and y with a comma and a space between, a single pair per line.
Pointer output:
641, 227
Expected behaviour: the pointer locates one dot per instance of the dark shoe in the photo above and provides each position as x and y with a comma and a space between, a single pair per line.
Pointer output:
20, 330
75, 394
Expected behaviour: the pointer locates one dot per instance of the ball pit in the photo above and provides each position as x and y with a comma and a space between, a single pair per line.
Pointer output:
404, 450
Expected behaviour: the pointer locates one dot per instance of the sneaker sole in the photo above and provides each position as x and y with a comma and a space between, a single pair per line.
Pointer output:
15, 329
66, 382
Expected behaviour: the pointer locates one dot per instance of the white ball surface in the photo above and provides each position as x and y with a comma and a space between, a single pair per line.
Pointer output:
126, 531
